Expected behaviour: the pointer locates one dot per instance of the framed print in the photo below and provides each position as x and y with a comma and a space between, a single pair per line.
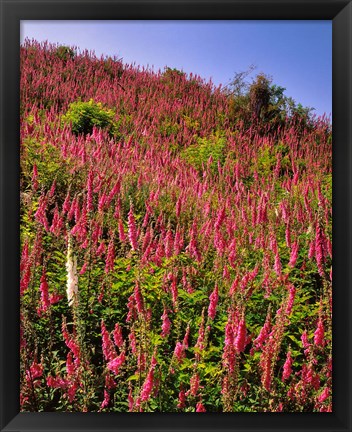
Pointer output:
175, 234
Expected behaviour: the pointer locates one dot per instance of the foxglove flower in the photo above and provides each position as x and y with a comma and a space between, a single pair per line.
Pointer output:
294, 254
166, 324
117, 334
44, 293
115, 364
214, 296
132, 230
319, 334
287, 370
200, 407
240, 341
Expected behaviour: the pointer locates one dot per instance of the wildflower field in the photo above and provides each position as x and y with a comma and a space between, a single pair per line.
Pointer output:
175, 242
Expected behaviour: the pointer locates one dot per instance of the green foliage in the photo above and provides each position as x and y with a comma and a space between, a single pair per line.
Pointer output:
207, 150
172, 73
265, 162
49, 163
168, 128
192, 124
83, 116
264, 101
65, 53
260, 94
239, 109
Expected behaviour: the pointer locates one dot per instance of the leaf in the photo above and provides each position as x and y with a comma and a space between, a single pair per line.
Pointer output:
294, 339
133, 378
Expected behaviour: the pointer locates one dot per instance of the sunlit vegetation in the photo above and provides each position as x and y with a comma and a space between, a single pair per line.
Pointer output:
175, 241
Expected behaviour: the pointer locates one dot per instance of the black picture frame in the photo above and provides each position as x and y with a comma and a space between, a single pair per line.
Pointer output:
11, 13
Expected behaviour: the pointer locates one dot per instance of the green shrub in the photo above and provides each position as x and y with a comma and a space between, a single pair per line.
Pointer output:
83, 116
266, 161
172, 73
199, 153
168, 128
65, 53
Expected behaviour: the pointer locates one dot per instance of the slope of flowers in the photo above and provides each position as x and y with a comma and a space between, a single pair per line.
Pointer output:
180, 264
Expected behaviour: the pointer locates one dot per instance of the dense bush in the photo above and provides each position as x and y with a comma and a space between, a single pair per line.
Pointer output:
65, 53
262, 101
83, 116
206, 151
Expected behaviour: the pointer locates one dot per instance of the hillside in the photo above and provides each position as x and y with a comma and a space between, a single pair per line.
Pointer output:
176, 244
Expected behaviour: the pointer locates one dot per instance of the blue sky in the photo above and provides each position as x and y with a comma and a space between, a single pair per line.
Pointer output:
296, 54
